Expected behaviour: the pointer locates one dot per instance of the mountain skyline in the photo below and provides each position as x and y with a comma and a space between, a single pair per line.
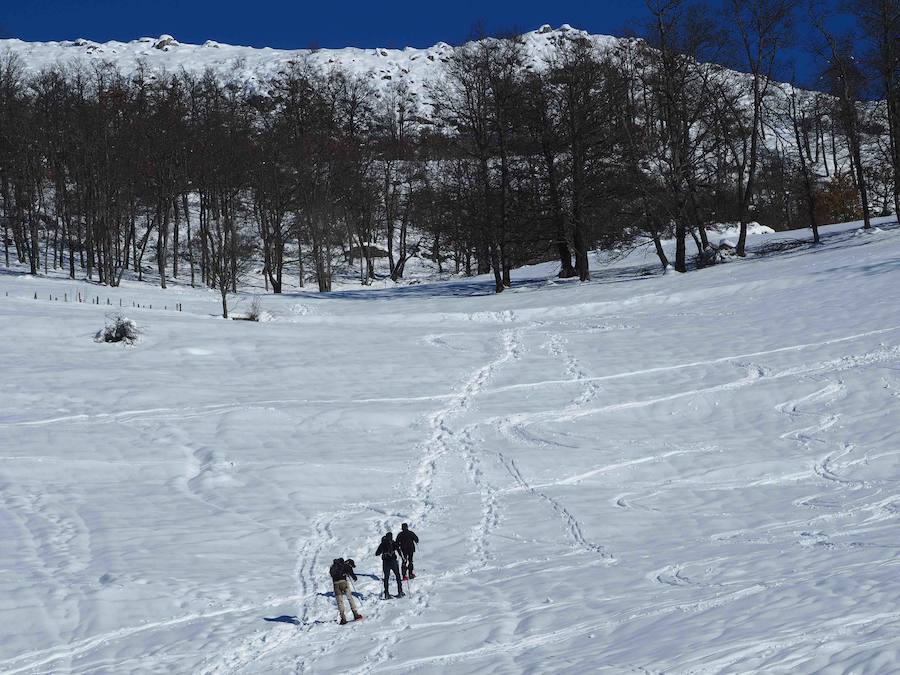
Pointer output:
281, 25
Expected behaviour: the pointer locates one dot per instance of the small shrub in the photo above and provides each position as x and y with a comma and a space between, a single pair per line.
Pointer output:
118, 329
254, 312
255, 309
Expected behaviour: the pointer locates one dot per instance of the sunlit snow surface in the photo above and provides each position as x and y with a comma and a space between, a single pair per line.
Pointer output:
679, 473
255, 67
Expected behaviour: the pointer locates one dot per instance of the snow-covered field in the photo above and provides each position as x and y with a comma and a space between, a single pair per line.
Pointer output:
679, 473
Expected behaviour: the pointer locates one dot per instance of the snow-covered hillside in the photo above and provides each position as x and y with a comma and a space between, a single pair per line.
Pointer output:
646, 473
417, 67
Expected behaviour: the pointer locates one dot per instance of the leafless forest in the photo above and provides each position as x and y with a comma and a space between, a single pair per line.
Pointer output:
103, 172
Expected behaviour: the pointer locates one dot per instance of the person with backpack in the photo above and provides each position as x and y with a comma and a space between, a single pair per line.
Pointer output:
406, 542
387, 549
341, 569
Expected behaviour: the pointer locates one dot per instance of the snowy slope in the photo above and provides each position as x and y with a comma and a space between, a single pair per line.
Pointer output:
417, 67
680, 473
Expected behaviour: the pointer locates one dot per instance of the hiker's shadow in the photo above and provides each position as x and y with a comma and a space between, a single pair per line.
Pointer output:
330, 594
293, 620
284, 618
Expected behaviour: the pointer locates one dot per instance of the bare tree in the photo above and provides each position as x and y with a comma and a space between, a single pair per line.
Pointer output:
846, 81
880, 23
761, 30
795, 110
683, 89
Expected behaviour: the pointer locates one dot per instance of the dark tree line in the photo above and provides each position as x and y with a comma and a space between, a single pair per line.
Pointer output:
516, 161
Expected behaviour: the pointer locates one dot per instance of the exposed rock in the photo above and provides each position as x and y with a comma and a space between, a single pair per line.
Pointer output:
165, 41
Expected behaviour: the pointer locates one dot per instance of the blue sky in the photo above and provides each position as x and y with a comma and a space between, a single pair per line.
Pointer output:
278, 23
295, 24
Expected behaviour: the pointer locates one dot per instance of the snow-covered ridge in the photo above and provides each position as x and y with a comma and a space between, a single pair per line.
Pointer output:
255, 65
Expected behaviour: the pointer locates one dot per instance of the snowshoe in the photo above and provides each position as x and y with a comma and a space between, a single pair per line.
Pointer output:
401, 594
358, 617
343, 622
386, 596
405, 578
412, 576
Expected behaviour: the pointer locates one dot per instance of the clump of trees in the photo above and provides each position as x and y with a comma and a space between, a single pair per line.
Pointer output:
517, 160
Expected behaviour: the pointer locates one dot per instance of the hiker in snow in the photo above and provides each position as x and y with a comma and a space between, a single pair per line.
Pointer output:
406, 542
341, 569
387, 549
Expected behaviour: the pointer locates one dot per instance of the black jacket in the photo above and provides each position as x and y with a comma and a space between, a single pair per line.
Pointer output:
341, 569
406, 541
387, 548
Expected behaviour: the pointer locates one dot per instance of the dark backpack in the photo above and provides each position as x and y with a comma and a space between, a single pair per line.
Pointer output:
338, 571
388, 550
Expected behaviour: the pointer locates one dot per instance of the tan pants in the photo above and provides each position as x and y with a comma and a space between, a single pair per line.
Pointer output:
341, 589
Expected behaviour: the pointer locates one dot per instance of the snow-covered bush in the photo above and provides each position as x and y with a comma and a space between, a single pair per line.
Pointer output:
255, 309
254, 312
713, 254
118, 328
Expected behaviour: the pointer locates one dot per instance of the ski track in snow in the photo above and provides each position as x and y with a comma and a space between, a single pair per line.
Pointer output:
443, 438
442, 441
573, 526
566, 635
446, 441
821, 401
37, 659
577, 378
742, 655
188, 412
695, 364
755, 375
515, 431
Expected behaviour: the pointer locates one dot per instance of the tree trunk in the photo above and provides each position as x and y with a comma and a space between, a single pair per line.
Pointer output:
175, 236
162, 233
496, 268
680, 253
566, 270
660, 252
190, 241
